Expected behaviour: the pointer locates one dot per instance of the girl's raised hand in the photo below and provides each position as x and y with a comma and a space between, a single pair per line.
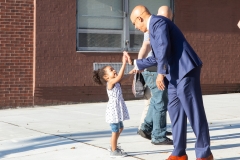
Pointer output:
124, 59
125, 53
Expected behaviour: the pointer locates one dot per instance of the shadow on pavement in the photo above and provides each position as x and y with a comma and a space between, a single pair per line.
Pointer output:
149, 152
85, 137
56, 140
232, 158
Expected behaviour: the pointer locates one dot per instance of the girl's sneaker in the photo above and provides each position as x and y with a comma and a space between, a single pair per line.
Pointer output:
118, 153
110, 148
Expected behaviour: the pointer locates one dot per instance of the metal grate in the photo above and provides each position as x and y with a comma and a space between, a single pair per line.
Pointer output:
99, 40
116, 66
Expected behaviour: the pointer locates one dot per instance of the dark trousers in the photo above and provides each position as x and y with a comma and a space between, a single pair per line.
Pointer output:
185, 101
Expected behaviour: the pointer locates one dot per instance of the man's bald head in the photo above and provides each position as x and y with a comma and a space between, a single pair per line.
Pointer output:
165, 11
139, 10
139, 17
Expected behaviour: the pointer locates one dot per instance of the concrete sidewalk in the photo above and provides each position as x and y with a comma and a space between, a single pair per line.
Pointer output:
79, 132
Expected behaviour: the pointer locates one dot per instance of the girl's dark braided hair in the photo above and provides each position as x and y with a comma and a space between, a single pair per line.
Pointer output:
98, 76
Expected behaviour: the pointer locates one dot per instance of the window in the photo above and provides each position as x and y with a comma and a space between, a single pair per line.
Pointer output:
104, 25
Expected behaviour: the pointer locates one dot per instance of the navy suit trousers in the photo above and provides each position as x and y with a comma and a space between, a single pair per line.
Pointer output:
185, 101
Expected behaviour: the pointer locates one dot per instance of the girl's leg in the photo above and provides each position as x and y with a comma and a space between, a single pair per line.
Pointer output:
114, 139
120, 129
117, 128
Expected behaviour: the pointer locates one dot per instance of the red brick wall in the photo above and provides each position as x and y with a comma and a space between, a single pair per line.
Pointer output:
211, 28
16, 53
62, 74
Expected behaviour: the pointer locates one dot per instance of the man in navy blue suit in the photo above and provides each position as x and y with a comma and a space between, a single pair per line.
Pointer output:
177, 61
154, 117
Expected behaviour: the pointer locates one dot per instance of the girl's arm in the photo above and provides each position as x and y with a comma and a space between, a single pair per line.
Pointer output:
117, 79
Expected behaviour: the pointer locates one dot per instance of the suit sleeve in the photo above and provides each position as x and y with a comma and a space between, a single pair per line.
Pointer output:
161, 45
146, 62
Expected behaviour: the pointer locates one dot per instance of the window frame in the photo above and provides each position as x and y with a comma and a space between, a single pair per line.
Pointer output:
125, 33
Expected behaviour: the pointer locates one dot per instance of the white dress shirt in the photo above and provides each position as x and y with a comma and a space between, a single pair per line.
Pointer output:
148, 23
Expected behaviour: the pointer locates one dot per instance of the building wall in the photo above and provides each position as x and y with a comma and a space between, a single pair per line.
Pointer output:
16, 53
62, 74
211, 28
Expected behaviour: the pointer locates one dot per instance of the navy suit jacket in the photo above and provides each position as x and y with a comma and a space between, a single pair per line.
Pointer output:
172, 53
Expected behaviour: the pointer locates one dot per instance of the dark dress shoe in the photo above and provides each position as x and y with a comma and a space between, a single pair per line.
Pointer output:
144, 134
167, 141
208, 158
184, 157
168, 133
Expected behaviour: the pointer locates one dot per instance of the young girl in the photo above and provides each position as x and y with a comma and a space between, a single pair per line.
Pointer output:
116, 111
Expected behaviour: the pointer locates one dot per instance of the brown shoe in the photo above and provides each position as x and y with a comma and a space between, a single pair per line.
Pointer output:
208, 158
184, 157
